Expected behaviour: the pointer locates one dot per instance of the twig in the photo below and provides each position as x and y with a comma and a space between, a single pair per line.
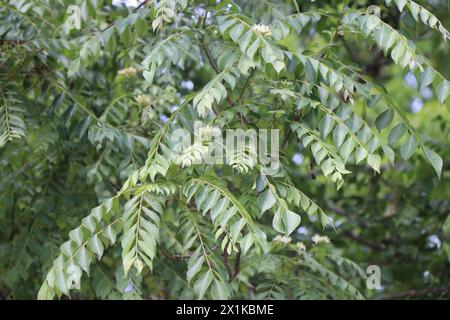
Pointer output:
140, 6
237, 265
13, 217
135, 9
227, 265
216, 69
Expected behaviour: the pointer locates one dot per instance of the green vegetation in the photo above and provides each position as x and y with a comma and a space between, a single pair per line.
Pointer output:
93, 204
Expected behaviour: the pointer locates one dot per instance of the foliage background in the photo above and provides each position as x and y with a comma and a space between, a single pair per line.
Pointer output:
81, 131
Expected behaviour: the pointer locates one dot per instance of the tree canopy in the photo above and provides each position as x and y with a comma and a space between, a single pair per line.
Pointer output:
98, 201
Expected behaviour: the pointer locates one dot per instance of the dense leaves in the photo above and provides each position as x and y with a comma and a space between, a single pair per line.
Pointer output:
91, 93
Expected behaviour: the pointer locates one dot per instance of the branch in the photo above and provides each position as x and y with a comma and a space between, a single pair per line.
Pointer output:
373, 245
416, 293
13, 217
227, 266
237, 265
141, 5
216, 69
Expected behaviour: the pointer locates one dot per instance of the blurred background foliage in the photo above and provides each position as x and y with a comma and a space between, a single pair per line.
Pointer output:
65, 164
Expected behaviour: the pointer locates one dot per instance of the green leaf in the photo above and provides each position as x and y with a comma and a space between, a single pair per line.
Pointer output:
83, 259
327, 167
277, 222
74, 276
446, 226
371, 23
397, 132
414, 8
96, 245
285, 221
360, 154
426, 77
398, 53
77, 235
90, 223
110, 233
385, 38
236, 229
339, 133
434, 159
326, 125
389, 153
245, 41
194, 268
267, 54
384, 119
236, 32
61, 283
202, 284
253, 48
219, 290
189, 243
443, 90
266, 201
221, 206
74, 66
374, 160
347, 148
310, 71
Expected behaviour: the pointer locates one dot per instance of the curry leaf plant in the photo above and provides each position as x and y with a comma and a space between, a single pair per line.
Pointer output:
91, 92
